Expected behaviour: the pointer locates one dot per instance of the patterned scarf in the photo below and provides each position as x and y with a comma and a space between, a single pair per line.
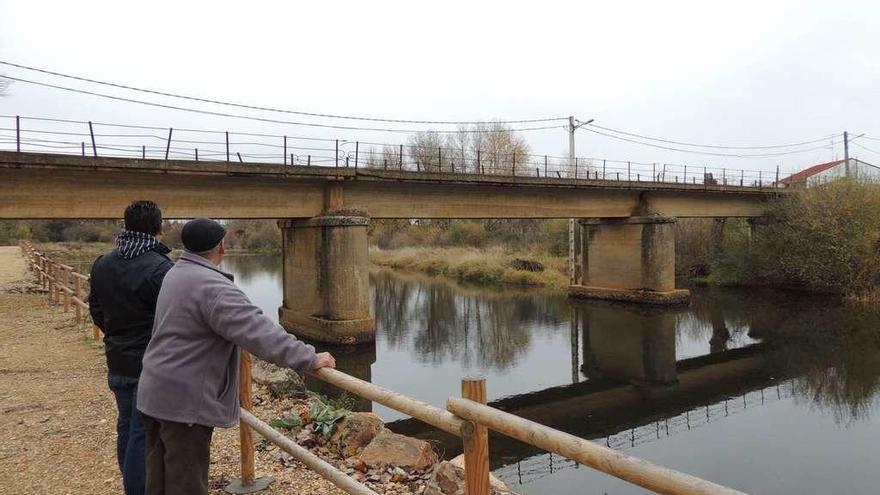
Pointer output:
131, 244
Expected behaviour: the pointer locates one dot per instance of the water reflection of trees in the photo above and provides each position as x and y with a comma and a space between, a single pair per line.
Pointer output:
248, 267
835, 351
442, 322
832, 350
722, 317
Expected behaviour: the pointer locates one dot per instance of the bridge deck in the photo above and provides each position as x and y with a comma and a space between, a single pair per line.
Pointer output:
36, 185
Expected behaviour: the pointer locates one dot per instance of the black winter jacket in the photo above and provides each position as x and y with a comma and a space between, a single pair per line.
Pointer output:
122, 302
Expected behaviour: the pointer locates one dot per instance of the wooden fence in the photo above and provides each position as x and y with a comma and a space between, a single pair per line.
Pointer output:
64, 286
467, 417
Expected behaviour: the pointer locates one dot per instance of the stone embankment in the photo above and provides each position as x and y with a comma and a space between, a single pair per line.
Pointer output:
358, 442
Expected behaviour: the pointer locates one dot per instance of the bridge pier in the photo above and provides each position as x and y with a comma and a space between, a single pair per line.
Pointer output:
326, 279
626, 259
636, 345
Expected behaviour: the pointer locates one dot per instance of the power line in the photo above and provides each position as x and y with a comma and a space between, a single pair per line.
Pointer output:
732, 155
274, 121
775, 146
270, 109
864, 147
452, 151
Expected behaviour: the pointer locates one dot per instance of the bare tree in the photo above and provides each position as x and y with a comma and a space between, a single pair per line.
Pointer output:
501, 149
425, 151
490, 148
459, 145
385, 158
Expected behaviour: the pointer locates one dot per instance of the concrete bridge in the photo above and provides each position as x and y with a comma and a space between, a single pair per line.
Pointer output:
623, 246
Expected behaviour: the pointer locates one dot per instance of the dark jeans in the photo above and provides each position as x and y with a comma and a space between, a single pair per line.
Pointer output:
178, 456
129, 433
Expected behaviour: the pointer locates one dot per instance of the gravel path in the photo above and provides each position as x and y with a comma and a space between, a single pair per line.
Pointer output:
57, 433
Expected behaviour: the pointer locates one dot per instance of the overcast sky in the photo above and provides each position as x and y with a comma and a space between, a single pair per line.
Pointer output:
732, 73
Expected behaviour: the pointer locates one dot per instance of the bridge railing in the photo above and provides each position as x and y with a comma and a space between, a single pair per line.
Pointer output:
467, 417
99, 139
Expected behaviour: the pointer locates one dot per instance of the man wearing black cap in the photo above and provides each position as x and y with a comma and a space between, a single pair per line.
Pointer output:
189, 383
124, 286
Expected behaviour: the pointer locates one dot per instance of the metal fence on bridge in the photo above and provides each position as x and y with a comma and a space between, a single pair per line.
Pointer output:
86, 138
543, 465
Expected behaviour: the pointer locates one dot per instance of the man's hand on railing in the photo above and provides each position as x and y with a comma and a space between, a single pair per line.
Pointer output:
325, 360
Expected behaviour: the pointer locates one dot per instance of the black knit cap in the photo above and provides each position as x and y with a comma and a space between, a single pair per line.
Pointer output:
201, 234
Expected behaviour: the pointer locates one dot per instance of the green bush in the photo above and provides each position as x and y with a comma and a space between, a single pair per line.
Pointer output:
471, 234
254, 235
554, 236
824, 238
693, 256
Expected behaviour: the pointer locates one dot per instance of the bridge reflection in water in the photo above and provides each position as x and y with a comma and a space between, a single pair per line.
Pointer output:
627, 376
533, 468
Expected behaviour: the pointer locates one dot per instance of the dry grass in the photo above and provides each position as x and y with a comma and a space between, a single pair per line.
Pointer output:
483, 266
870, 296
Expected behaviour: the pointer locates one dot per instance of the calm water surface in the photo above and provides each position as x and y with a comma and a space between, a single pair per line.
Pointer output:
762, 391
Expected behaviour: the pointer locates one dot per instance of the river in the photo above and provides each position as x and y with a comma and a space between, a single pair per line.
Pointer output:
763, 391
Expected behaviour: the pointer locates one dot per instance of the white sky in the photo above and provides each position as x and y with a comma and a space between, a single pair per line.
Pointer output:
737, 73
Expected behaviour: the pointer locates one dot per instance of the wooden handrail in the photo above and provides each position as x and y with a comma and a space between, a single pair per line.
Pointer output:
423, 411
637, 471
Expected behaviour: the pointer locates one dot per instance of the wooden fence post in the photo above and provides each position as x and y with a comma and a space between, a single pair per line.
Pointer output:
56, 284
476, 442
52, 283
245, 434
77, 290
248, 482
66, 291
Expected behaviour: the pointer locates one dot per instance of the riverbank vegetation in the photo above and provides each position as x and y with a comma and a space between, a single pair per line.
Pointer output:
819, 239
515, 252
489, 266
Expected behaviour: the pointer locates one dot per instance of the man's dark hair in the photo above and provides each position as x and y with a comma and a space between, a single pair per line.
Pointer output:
143, 216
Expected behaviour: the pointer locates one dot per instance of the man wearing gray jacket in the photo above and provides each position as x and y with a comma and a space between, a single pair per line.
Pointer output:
189, 383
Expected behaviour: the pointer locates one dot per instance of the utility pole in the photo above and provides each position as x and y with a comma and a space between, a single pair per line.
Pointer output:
572, 163
846, 152
573, 124
571, 221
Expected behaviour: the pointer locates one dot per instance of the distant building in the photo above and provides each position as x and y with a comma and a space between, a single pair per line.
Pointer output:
830, 171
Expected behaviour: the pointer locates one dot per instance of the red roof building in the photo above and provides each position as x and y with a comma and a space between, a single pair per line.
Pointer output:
829, 171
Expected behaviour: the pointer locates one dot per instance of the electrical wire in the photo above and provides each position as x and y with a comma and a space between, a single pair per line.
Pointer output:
270, 109
775, 146
864, 147
732, 155
275, 121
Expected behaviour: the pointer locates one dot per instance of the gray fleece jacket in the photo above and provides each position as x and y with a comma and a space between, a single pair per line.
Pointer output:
190, 372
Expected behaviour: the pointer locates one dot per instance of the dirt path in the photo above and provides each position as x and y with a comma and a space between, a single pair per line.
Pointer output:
12, 265
57, 417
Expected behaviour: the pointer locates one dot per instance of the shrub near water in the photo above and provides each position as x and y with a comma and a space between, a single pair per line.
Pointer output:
824, 238
484, 266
